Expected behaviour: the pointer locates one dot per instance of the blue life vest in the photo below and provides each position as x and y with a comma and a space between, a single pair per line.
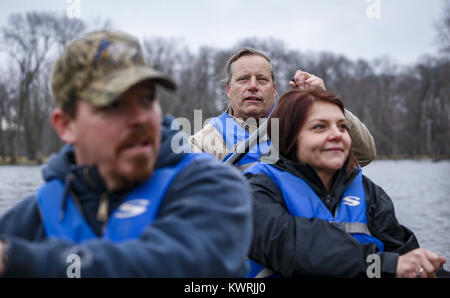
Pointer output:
233, 133
127, 222
301, 200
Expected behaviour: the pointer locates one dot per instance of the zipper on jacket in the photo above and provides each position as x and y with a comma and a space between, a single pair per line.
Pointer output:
88, 177
102, 211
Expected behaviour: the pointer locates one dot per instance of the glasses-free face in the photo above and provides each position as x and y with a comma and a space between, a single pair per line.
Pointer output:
251, 90
121, 139
324, 142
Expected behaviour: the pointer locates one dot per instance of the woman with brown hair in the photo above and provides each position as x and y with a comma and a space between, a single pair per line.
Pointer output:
315, 213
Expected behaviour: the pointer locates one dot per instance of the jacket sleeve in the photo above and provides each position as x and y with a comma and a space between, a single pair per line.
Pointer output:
383, 223
363, 144
294, 246
203, 230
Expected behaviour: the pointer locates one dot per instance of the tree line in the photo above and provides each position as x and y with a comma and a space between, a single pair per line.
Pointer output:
405, 107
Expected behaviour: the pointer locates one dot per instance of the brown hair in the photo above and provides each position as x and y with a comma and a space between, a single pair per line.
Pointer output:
228, 71
291, 110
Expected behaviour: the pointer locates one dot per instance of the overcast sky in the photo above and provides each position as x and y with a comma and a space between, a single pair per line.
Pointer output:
401, 29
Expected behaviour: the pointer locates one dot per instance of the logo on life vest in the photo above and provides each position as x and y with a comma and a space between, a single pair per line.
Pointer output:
132, 208
351, 201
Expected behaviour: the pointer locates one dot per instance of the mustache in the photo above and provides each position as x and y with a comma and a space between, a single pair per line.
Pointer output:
140, 134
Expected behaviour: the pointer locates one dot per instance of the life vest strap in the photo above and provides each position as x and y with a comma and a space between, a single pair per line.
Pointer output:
353, 227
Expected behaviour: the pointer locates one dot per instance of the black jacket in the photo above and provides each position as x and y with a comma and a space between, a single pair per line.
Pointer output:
296, 246
185, 240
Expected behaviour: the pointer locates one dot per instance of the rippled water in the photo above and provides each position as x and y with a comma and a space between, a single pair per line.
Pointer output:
420, 191
17, 182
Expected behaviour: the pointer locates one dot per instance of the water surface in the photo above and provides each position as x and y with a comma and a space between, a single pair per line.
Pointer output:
420, 191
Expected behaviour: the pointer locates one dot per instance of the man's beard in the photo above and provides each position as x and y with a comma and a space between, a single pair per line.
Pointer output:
142, 165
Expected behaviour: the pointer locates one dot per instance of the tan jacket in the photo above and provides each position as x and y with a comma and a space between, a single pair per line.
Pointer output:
210, 140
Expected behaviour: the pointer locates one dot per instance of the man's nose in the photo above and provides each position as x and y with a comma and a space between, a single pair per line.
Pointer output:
137, 113
252, 84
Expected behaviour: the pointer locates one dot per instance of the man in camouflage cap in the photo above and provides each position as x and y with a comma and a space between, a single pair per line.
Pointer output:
117, 201
101, 66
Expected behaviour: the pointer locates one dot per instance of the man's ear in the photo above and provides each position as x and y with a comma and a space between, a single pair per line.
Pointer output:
63, 125
228, 90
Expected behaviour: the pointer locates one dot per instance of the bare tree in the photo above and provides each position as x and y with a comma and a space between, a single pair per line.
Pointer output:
443, 29
406, 108
165, 55
3, 121
29, 41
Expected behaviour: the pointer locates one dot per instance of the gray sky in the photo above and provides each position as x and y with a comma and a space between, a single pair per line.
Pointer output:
404, 30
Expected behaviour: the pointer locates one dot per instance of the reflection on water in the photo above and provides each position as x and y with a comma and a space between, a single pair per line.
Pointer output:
419, 189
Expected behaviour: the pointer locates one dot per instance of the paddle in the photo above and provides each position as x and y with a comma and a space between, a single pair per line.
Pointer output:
242, 148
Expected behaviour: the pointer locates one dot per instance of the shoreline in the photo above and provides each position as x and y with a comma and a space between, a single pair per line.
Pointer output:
23, 161
413, 157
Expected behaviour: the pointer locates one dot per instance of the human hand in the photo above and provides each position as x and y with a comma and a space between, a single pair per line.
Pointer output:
420, 262
303, 80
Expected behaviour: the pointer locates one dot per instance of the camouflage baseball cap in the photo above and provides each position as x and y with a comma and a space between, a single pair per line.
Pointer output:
99, 67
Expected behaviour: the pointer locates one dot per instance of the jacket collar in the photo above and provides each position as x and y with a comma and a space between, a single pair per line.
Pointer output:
303, 170
248, 126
